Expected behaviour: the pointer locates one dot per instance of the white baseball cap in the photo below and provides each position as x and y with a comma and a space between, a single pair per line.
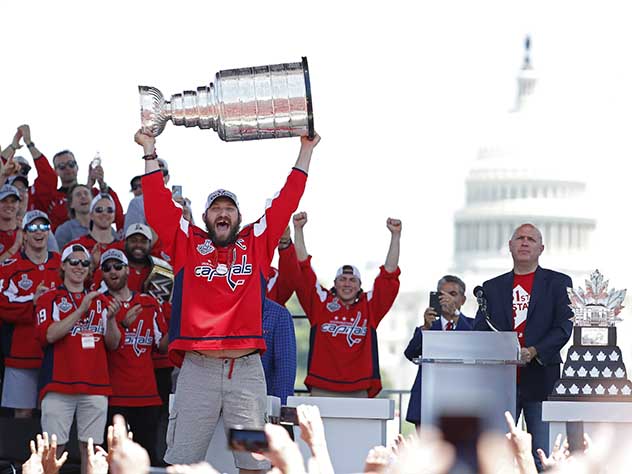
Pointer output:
113, 254
218, 193
139, 228
348, 270
73, 248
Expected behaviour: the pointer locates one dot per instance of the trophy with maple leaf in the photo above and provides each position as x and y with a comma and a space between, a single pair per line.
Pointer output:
594, 368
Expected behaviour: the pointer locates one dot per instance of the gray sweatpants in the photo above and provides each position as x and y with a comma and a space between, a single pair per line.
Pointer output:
206, 387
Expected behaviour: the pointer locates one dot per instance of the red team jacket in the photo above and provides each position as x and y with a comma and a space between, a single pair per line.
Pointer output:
131, 367
68, 367
343, 354
19, 278
212, 311
282, 282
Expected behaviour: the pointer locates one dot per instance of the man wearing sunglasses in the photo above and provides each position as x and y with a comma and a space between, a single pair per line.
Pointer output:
75, 328
215, 331
143, 327
24, 278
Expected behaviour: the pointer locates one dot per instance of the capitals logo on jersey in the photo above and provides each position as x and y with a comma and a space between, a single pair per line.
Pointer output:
88, 325
349, 328
136, 339
210, 272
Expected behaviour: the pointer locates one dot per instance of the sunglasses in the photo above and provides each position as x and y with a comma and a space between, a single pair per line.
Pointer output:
63, 166
73, 262
106, 267
36, 227
101, 210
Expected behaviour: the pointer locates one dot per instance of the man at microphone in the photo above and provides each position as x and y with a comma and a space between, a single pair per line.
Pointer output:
451, 291
533, 302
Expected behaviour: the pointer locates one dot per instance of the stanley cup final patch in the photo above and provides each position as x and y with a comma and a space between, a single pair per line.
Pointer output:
25, 283
205, 248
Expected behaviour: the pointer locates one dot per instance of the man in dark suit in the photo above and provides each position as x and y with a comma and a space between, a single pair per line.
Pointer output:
533, 302
451, 291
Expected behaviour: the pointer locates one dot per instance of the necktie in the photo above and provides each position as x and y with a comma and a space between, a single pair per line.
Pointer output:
449, 326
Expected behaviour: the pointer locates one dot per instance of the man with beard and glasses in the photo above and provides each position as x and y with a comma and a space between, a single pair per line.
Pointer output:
215, 333
23, 279
134, 391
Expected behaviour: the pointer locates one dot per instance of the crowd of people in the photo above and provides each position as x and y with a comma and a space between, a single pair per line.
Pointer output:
98, 306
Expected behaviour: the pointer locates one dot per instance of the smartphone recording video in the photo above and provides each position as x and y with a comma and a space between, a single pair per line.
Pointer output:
435, 303
176, 191
253, 441
288, 416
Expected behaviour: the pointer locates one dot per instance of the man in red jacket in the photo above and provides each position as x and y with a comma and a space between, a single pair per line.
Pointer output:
343, 359
215, 332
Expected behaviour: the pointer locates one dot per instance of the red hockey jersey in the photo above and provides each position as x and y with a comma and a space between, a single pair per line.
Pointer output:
19, 278
131, 367
282, 282
343, 354
218, 309
68, 366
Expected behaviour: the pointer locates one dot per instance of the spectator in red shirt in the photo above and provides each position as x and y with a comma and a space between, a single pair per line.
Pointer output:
23, 278
66, 167
134, 391
75, 328
10, 235
343, 359
101, 236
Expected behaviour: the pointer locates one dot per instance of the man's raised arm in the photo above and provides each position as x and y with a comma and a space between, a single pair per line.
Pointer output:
305, 155
392, 257
299, 220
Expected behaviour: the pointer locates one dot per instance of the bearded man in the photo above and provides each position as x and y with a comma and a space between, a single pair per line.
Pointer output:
215, 332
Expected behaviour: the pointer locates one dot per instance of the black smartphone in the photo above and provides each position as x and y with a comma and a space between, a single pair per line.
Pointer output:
435, 303
462, 432
176, 191
241, 439
288, 416
575, 436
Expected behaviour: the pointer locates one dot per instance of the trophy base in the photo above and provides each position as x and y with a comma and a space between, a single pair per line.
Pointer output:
591, 336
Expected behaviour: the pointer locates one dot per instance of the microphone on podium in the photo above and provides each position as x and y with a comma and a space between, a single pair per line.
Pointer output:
479, 292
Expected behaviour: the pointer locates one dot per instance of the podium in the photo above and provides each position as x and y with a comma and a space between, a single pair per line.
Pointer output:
352, 427
469, 373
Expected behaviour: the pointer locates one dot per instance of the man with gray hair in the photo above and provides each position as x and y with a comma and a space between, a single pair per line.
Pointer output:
533, 302
451, 294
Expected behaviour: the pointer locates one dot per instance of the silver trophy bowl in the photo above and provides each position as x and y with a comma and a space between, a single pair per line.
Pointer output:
250, 103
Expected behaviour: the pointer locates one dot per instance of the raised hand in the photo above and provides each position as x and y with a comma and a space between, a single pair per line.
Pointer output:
97, 459
299, 220
25, 131
146, 141
394, 225
39, 291
520, 442
50, 463
307, 142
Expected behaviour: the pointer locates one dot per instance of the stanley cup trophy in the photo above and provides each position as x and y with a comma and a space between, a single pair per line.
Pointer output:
251, 103
594, 368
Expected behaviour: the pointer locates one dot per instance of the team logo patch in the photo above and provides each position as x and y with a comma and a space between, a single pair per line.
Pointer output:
206, 247
333, 306
25, 283
64, 306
